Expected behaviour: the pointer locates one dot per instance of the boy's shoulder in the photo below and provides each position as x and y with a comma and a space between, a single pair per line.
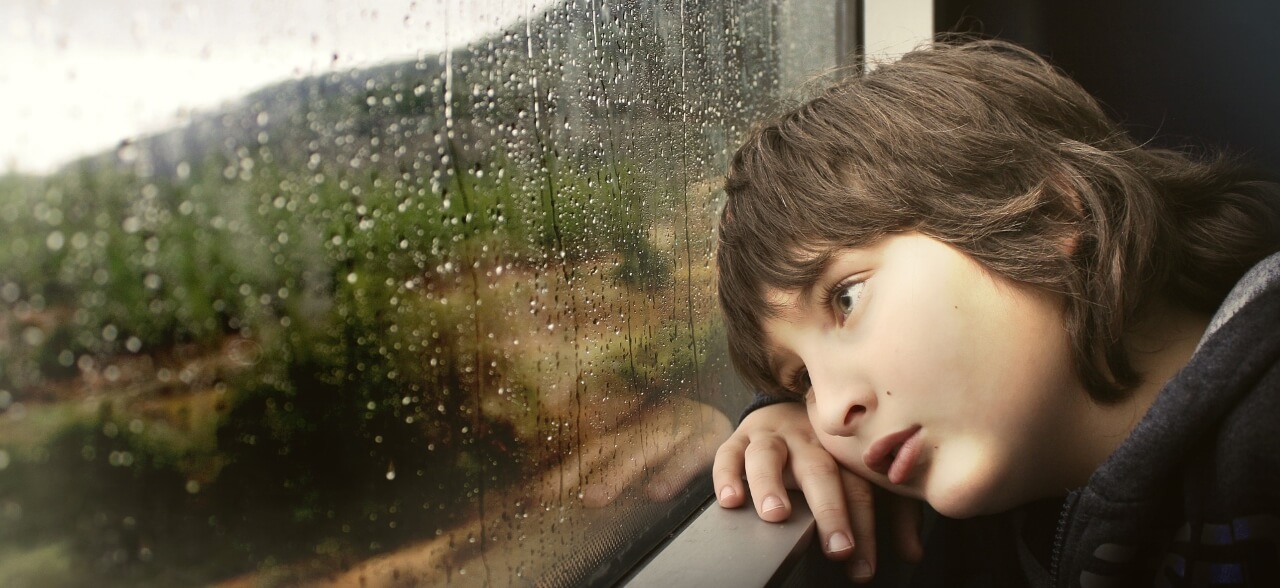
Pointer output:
1196, 487
1261, 278
1241, 468
1247, 444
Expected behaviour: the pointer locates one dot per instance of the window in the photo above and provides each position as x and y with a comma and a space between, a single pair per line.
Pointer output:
412, 292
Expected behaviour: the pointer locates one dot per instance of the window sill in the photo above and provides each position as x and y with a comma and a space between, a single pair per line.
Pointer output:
730, 547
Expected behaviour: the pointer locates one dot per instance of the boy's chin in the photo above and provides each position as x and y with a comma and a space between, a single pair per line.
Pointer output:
956, 510
964, 499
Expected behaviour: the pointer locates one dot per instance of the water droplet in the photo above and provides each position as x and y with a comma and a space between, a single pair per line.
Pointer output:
127, 152
54, 241
33, 336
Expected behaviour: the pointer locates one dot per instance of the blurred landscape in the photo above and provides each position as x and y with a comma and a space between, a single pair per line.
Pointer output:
394, 310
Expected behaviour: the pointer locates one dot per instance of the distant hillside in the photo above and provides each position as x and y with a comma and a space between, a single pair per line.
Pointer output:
566, 83
224, 348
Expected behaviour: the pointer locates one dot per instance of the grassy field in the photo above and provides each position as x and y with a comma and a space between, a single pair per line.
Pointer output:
424, 322
221, 372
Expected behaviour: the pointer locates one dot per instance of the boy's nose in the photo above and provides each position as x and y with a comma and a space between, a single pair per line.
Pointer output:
841, 402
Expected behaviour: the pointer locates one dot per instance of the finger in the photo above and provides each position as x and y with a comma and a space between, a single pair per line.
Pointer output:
907, 515
818, 476
728, 470
860, 498
765, 460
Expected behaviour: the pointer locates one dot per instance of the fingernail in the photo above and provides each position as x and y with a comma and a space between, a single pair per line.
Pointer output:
862, 569
772, 503
839, 542
727, 492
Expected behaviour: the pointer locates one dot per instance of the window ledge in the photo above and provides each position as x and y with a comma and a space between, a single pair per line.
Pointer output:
730, 547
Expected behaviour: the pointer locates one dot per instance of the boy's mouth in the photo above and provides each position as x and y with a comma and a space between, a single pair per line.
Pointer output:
882, 456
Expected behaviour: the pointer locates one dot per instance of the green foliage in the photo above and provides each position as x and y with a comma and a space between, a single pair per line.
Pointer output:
320, 270
105, 496
357, 277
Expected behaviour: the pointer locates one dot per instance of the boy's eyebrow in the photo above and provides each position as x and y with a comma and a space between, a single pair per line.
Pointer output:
782, 302
805, 296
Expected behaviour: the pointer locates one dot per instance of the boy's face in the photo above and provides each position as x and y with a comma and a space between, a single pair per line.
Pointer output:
931, 376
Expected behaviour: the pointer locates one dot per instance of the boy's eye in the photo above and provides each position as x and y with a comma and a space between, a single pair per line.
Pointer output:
799, 382
847, 296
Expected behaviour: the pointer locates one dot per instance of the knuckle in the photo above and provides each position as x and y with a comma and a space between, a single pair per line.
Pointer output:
723, 470
859, 493
827, 510
818, 468
728, 453
764, 476
726, 468
765, 446
803, 433
735, 443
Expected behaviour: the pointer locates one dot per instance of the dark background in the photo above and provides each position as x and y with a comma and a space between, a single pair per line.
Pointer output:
1186, 72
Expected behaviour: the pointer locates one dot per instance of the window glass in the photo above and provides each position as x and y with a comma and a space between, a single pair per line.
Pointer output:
366, 293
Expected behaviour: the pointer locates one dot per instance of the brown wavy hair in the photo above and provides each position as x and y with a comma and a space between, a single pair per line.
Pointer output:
985, 146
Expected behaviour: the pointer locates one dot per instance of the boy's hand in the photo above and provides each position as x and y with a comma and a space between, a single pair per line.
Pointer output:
778, 449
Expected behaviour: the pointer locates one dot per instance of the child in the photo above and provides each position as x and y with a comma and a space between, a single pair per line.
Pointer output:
979, 292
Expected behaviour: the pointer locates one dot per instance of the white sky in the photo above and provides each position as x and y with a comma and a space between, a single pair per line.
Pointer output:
77, 76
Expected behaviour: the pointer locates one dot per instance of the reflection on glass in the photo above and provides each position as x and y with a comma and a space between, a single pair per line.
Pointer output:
424, 320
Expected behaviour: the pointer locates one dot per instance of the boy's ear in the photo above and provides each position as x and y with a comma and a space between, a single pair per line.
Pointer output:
1070, 241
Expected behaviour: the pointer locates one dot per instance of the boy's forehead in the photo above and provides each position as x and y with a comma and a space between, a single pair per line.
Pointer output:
787, 304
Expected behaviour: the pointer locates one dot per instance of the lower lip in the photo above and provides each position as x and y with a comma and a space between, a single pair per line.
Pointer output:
901, 467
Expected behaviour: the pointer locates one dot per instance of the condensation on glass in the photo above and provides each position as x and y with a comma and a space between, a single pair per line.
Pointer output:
366, 293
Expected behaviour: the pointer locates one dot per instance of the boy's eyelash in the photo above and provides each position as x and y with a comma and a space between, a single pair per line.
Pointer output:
798, 383
830, 294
